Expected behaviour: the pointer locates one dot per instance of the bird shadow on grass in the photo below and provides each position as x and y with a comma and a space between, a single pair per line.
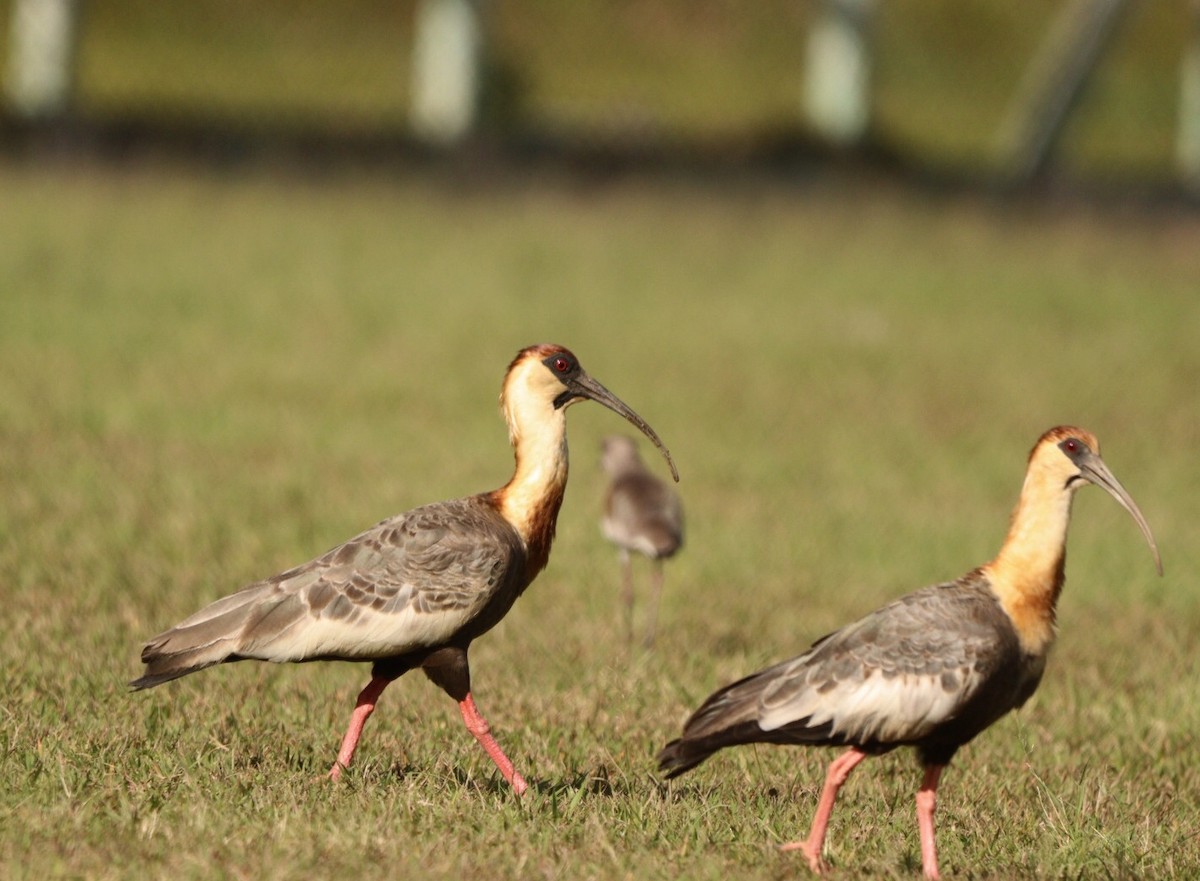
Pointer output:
568, 790
599, 782
593, 782
484, 783
571, 789
366, 776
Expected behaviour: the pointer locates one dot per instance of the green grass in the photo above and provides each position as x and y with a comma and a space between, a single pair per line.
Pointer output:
205, 379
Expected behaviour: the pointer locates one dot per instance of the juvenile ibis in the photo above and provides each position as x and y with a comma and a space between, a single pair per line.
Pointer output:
932, 669
642, 514
414, 590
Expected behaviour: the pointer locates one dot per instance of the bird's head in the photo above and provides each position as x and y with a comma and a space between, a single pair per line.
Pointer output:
1069, 457
618, 455
548, 378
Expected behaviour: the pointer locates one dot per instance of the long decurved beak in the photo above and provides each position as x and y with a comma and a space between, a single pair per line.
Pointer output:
1092, 468
583, 386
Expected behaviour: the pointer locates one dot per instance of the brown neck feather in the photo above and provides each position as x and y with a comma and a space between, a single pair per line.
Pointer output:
536, 526
541, 525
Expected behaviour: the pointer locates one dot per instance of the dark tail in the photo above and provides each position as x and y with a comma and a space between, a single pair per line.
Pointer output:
697, 744
729, 717
211, 636
680, 756
164, 669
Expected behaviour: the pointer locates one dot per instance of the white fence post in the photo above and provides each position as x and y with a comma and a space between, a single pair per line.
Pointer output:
1187, 148
838, 82
41, 66
447, 69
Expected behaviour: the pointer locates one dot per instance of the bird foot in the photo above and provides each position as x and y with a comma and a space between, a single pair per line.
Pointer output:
518, 784
818, 865
336, 771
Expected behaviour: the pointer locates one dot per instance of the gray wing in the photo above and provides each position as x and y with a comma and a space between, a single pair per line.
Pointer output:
892, 677
409, 582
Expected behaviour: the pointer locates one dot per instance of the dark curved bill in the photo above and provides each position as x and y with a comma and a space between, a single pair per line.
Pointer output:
1093, 468
583, 386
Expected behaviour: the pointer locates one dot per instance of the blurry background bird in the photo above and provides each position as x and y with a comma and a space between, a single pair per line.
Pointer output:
416, 589
642, 514
931, 670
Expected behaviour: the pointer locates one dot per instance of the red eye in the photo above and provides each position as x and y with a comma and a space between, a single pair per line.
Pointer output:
1071, 446
561, 364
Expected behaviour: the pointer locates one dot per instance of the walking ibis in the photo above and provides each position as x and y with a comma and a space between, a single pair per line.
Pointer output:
641, 514
415, 589
932, 669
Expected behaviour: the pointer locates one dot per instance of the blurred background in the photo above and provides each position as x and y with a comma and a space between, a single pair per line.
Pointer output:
1098, 89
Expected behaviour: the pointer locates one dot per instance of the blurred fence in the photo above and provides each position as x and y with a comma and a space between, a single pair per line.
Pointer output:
1108, 86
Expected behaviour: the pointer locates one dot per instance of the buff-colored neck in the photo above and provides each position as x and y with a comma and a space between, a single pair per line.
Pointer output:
530, 500
1027, 574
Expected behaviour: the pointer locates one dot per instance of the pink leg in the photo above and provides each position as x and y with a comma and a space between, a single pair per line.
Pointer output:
478, 726
362, 710
926, 803
839, 770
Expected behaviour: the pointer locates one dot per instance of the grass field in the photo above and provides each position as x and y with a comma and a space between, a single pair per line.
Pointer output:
205, 379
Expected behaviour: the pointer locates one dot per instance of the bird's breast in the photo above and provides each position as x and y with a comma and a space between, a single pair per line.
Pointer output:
535, 521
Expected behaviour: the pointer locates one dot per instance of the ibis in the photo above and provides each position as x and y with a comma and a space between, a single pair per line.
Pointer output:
643, 515
931, 670
415, 589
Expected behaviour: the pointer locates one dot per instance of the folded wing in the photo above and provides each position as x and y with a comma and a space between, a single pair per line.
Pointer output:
895, 677
409, 582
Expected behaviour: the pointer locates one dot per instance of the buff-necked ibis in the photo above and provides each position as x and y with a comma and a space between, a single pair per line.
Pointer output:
932, 669
415, 589
643, 515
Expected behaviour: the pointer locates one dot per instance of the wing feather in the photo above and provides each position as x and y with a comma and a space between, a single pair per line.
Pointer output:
892, 677
407, 583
